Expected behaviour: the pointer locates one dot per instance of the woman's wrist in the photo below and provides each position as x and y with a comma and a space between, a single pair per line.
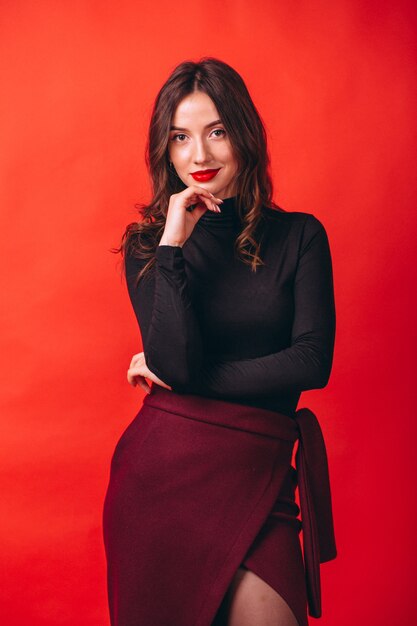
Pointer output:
166, 241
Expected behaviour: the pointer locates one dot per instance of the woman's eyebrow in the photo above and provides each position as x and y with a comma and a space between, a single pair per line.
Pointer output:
206, 126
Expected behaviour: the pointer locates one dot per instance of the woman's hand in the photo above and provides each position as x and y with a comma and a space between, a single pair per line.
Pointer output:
138, 372
179, 222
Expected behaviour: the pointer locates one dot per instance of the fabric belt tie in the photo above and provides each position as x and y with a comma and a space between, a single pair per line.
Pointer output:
315, 503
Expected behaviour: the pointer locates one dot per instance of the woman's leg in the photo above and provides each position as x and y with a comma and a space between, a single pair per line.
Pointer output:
250, 601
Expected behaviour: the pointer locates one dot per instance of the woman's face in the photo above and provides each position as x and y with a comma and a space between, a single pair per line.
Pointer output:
198, 143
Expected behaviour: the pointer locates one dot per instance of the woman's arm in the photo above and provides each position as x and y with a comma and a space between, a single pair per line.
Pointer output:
171, 336
307, 363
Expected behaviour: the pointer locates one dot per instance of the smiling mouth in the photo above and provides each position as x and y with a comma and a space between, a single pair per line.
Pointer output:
204, 175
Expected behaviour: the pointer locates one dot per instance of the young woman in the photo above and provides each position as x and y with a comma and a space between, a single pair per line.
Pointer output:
234, 300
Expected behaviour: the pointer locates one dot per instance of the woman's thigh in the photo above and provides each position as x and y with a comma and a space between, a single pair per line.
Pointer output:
250, 601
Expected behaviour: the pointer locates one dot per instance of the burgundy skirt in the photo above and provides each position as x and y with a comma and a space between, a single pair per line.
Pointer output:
199, 487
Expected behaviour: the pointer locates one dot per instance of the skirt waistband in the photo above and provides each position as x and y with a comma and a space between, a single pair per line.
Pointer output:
224, 413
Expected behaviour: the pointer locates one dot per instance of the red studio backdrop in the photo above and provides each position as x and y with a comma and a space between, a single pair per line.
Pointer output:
335, 85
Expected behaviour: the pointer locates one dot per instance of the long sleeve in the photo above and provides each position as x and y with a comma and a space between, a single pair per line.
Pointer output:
170, 334
307, 362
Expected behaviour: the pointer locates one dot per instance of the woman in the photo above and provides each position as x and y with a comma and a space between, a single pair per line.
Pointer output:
234, 300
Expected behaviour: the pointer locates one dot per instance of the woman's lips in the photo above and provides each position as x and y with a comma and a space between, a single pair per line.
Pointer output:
204, 175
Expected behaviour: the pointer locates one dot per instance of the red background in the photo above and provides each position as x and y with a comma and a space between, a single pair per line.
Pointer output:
334, 82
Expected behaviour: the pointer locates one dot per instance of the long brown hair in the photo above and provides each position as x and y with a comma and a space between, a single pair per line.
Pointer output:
247, 136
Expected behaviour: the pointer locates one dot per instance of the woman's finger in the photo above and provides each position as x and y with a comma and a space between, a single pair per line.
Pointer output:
139, 368
136, 377
211, 205
208, 198
204, 192
141, 382
195, 194
132, 373
136, 358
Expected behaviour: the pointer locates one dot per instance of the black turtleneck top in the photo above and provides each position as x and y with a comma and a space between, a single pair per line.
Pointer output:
212, 327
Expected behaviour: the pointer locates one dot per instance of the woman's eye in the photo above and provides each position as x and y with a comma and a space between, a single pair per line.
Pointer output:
178, 137
219, 130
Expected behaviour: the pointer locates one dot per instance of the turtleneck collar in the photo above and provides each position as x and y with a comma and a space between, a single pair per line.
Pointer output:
228, 217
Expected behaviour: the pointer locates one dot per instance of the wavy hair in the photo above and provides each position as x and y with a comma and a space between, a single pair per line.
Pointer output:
248, 139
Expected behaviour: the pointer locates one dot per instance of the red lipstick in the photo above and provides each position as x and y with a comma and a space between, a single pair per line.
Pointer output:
203, 176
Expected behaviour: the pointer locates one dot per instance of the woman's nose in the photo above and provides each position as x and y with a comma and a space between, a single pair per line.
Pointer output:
201, 152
